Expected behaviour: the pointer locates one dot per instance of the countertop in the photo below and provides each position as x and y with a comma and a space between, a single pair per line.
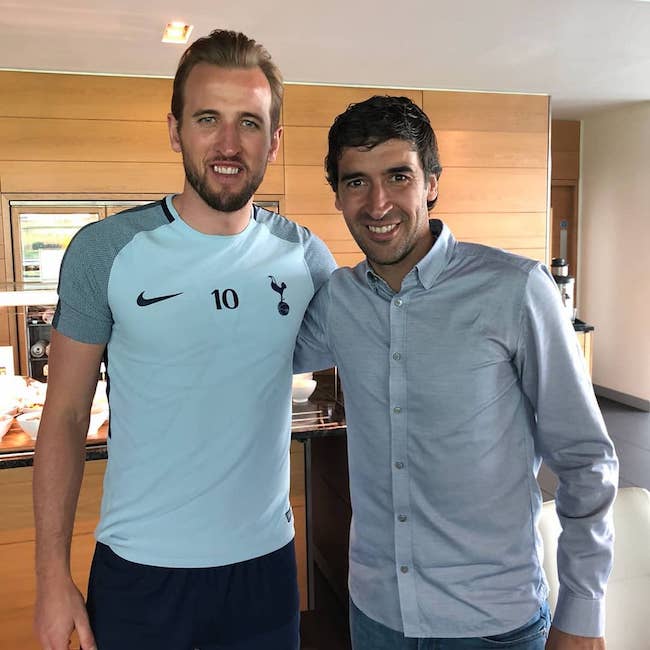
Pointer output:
581, 326
312, 419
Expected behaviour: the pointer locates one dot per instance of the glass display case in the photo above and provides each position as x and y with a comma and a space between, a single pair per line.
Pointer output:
44, 234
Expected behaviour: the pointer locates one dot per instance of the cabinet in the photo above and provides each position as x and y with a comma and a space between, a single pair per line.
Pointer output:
18, 588
41, 231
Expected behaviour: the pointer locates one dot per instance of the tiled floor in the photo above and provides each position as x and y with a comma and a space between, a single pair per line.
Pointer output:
630, 431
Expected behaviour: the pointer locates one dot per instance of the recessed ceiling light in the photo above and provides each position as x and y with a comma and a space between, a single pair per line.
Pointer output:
177, 32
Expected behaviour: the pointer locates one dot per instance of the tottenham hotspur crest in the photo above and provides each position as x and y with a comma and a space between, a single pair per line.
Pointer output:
283, 307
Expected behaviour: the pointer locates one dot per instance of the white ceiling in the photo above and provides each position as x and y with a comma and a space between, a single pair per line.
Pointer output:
587, 54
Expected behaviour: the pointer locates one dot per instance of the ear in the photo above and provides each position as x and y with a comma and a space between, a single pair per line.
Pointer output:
337, 202
275, 145
174, 137
432, 189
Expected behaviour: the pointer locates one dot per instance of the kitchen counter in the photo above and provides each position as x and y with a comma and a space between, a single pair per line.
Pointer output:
312, 419
581, 326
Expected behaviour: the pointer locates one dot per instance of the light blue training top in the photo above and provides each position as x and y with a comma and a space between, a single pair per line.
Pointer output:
455, 388
200, 332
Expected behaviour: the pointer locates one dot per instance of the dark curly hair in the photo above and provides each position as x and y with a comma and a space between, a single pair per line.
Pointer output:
376, 120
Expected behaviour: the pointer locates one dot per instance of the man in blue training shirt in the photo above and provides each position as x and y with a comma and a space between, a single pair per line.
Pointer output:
195, 539
461, 372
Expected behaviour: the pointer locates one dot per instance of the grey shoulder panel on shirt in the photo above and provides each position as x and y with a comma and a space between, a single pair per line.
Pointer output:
86, 268
280, 226
318, 258
110, 235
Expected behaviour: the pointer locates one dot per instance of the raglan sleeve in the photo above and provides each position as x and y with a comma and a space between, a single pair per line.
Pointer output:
572, 439
312, 351
82, 311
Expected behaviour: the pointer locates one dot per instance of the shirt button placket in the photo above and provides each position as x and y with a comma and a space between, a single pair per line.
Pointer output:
399, 442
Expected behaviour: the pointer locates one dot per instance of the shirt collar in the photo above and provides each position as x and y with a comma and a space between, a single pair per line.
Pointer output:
431, 265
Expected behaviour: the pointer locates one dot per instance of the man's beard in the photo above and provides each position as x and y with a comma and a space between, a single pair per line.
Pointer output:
223, 201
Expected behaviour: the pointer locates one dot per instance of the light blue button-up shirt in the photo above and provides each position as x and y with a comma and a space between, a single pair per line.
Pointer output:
455, 389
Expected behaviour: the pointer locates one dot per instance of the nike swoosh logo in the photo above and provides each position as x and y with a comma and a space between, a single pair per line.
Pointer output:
143, 302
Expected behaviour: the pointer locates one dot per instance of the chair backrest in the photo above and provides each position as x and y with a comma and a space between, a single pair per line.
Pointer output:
628, 590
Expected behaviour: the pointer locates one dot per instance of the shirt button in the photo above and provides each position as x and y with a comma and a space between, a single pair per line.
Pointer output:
399, 465
401, 518
397, 356
397, 410
398, 302
404, 569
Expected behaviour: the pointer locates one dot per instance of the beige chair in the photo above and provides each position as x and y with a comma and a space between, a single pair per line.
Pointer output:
628, 590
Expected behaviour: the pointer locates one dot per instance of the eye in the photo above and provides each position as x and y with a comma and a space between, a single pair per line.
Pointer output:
399, 178
249, 124
206, 119
354, 183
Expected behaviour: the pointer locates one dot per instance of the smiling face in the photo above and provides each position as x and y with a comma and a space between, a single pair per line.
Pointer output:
224, 135
383, 195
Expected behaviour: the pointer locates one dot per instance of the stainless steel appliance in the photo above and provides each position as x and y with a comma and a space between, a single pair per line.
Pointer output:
565, 284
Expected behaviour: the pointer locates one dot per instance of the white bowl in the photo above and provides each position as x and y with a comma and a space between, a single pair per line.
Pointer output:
97, 418
6, 420
29, 422
302, 389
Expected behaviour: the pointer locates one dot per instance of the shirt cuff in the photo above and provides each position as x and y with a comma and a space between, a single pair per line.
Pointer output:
581, 616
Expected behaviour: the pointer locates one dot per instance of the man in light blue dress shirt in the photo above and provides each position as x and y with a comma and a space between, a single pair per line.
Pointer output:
461, 372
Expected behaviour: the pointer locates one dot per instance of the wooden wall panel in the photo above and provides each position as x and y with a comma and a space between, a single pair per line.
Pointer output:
492, 190
308, 146
566, 165
565, 135
5, 331
326, 226
85, 140
100, 179
538, 254
461, 190
85, 97
477, 227
468, 111
493, 149
348, 259
307, 191
61, 135
88, 140
319, 105
565, 150
93, 178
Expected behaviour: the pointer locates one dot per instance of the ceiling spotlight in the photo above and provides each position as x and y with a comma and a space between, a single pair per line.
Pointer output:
177, 32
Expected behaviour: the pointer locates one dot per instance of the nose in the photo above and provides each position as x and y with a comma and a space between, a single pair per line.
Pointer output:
378, 201
229, 143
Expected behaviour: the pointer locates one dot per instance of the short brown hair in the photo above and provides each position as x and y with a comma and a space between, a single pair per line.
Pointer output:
228, 49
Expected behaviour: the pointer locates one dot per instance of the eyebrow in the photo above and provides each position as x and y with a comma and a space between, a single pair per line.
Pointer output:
399, 169
350, 176
211, 111
205, 111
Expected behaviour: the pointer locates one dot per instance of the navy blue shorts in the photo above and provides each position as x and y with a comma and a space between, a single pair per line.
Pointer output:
244, 606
